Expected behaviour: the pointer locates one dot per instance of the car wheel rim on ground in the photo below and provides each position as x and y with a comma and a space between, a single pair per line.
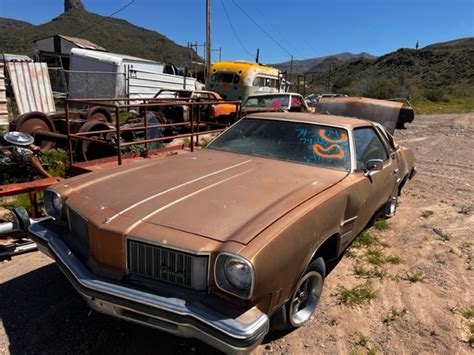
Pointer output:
391, 208
305, 298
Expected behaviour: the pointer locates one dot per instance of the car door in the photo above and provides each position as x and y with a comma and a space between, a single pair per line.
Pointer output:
370, 190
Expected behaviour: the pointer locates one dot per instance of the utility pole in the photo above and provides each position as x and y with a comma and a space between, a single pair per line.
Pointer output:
208, 38
329, 78
291, 68
257, 58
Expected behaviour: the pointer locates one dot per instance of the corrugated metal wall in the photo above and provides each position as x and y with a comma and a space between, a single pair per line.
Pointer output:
3, 99
31, 87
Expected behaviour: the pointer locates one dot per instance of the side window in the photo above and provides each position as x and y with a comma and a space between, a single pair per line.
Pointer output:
384, 137
368, 146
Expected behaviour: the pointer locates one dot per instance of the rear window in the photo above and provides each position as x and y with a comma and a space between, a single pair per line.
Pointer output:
296, 142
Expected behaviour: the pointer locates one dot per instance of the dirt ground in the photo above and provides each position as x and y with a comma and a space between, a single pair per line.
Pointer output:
422, 287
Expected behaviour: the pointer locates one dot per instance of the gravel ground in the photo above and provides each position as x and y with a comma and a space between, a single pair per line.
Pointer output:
41, 313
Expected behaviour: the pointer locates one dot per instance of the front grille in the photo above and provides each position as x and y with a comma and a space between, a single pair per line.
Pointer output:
78, 227
168, 265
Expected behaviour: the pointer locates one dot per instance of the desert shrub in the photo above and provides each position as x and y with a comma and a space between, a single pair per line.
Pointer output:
383, 89
435, 95
341, 82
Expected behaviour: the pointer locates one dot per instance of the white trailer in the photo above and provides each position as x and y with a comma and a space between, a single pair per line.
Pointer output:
96, 74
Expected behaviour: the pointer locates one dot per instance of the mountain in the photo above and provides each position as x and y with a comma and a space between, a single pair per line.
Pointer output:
301, 66
115, 35
11, 24
436, 72
455, 44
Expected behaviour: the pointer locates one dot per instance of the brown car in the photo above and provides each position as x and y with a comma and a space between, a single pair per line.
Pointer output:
223, 243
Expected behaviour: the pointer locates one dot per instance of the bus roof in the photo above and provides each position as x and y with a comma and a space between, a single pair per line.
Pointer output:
236, 66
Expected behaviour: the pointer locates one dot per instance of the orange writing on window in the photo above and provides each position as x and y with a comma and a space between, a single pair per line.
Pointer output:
326, 152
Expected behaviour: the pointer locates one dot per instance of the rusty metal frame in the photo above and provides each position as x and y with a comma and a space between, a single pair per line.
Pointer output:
31, 188
118, 104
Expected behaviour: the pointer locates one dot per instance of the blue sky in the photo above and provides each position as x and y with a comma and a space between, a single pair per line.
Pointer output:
302, 28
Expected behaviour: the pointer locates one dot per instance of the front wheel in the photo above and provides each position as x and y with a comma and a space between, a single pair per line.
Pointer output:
304, 299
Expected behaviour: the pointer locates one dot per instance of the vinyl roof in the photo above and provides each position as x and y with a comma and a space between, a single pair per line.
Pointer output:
331, 120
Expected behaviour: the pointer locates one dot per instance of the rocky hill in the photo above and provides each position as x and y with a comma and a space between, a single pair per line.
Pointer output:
436, 71
301, 66
11, 24
114, 34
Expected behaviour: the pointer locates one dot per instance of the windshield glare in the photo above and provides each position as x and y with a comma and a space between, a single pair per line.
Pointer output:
296, 142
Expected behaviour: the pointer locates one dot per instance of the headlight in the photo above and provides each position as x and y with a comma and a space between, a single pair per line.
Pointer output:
234, 274
52, 203
238, 273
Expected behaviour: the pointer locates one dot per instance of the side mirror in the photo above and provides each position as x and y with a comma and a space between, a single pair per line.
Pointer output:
373, 165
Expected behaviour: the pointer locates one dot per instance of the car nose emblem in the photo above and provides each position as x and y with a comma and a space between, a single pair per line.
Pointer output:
165, 269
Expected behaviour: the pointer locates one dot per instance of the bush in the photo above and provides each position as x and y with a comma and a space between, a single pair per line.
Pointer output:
435, 95
383, 89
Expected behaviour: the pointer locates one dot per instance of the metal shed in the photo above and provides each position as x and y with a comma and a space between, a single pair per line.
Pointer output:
56, 50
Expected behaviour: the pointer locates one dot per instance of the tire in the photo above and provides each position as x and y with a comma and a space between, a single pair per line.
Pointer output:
303, 300
390, 208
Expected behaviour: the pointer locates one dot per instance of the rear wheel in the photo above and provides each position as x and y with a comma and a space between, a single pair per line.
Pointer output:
390, 208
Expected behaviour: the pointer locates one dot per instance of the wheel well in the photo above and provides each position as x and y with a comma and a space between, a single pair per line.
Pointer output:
328, 250
402, 184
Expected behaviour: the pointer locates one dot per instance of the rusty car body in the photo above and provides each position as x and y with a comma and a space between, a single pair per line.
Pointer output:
217, 107
392, 114
222, 243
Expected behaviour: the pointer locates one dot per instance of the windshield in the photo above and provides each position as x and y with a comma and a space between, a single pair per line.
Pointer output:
296, 142
273, 101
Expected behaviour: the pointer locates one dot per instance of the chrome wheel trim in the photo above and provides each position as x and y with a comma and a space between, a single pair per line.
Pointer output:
305, 298
393, 205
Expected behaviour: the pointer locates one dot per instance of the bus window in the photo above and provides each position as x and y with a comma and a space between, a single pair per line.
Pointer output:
265, 82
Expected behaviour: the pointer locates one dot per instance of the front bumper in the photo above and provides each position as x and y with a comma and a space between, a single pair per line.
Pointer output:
172, 315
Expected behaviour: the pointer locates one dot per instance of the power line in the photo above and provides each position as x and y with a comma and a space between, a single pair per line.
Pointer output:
277, 31
233, 30
262, 29
106, 18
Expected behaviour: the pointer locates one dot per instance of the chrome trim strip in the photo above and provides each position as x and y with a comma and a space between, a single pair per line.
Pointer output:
343, 223
66, 257
174, 188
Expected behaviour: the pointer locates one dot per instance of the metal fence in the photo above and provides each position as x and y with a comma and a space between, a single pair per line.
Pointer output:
85, 84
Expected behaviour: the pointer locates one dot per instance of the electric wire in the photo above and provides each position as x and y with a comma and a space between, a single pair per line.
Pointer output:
106, 18
262, 29
233, 30
276, 31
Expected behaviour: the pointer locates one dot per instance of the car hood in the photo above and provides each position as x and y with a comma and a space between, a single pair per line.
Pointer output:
219, 195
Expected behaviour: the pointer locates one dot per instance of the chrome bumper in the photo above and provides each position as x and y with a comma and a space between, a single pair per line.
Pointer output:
171, 315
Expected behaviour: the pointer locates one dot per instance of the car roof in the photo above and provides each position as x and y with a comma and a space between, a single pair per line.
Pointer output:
274, 94
187, 90
317, 118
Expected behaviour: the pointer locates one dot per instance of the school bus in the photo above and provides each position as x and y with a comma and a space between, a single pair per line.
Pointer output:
239, 79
